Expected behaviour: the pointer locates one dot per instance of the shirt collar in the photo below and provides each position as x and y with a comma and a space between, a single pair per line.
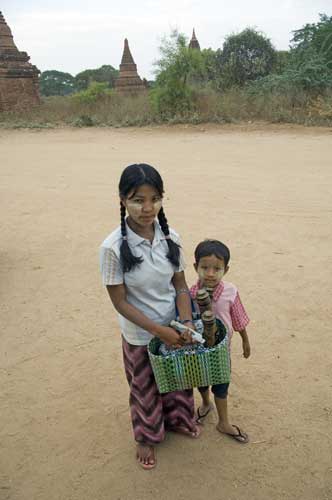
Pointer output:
135, 239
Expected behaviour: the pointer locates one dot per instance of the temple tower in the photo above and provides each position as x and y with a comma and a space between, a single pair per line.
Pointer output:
19, 86
128, 81
194, 44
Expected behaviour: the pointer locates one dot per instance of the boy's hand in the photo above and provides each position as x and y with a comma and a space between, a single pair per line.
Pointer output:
246, 348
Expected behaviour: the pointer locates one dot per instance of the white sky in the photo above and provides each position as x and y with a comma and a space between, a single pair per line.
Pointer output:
73, 35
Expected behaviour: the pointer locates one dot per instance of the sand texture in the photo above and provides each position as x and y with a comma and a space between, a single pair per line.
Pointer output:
65, 430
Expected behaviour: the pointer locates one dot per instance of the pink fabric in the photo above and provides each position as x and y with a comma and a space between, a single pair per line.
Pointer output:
153, 413
227, 306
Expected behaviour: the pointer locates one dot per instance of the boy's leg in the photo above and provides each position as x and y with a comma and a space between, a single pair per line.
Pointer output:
206, 406
224, 426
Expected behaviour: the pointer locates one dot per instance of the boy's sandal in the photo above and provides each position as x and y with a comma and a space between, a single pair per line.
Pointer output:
240, 437
201, 416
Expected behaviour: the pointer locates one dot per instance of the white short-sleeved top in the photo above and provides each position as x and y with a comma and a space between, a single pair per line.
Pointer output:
149, 285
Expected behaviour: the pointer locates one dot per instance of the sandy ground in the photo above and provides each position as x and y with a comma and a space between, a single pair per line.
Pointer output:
65, 429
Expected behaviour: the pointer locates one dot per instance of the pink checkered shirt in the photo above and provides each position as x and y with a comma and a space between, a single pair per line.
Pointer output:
227, 306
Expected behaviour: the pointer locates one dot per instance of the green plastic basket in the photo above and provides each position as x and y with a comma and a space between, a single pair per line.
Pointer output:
188, 369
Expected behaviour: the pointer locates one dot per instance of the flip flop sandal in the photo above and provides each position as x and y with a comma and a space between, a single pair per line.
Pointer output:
240, 437
201, 416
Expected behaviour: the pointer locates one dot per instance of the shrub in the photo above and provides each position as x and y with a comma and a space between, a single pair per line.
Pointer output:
95, 92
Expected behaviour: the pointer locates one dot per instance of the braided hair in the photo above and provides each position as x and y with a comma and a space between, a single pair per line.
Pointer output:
133, 177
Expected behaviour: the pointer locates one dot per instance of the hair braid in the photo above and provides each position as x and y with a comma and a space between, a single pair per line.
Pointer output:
128, 260
173, 248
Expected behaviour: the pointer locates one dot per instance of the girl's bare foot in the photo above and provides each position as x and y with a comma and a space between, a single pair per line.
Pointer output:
145, 456
181, 429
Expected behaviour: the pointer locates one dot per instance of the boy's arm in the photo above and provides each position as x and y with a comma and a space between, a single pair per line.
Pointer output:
245, 343
240, 320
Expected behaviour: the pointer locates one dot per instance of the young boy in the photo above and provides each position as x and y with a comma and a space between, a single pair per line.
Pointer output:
211, 264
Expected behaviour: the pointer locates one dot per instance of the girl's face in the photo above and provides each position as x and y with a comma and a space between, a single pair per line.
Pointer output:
143, 205
210, 270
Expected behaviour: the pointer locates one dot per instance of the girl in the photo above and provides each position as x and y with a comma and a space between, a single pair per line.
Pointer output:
142, 268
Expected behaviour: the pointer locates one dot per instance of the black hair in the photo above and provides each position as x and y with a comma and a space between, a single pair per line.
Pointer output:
212, 247
132, 178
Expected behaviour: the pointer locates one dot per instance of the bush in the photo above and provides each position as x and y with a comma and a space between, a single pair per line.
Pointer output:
94, 93
172, 99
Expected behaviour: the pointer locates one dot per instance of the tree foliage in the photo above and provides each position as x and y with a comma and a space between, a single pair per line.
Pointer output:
245, 57
177, 70
309, 63
282, 60
59, 83
56, 83
96, 91
105, 74
315, 37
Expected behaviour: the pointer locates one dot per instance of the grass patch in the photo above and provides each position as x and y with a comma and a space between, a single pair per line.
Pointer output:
108, 109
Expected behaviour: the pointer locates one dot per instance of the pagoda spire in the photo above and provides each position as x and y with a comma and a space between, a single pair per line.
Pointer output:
19, 85
128, 81
127, 58
194, 44
6, 37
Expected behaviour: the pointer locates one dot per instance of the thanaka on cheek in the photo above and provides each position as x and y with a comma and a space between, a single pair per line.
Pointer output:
204, 275
157, 206
134, 208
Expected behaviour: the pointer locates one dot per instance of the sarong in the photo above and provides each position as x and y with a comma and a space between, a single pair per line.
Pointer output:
153, 413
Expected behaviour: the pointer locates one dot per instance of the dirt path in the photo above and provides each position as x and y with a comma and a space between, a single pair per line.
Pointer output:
65, 431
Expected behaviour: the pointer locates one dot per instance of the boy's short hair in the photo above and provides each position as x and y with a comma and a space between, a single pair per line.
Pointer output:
212, 247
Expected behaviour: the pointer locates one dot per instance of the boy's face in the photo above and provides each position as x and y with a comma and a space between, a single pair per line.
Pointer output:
210, 270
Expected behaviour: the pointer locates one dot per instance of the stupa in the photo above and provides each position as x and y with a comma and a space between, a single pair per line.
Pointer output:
194, 44
128, 81
19, 86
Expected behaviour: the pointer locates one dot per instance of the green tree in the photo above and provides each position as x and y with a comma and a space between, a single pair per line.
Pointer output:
310, 62
315, 37
105, 74
211, 65
177, 71
281, 61
56, 83
245, 57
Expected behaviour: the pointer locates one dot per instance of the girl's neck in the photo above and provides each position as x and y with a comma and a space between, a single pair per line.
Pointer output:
144, 232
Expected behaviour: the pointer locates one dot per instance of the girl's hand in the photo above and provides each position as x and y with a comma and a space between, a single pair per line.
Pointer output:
170, 337
187, 335
246, 348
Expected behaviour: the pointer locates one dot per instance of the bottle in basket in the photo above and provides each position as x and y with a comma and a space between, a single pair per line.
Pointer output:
203, 300
210, 327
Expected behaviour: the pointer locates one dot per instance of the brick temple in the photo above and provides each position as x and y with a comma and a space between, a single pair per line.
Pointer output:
19, 86
128, 81
194, 44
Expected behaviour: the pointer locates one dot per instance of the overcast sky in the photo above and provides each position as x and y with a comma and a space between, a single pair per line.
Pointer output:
73, 35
